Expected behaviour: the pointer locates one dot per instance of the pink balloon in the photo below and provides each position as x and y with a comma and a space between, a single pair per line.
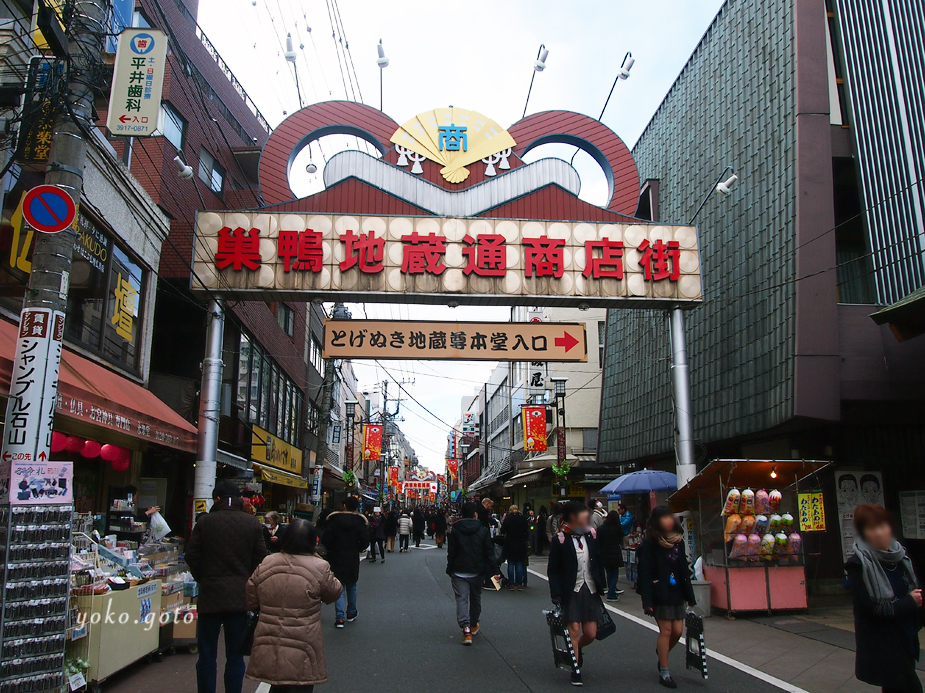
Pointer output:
74, 444
90, 449
120, 465
109, 452
58, 441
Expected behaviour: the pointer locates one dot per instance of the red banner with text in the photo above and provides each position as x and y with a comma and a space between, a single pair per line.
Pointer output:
534, 429
372, 442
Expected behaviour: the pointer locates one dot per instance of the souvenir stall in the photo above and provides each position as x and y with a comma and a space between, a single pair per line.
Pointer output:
748, 515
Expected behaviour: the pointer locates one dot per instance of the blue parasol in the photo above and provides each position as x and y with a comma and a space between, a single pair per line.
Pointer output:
643, 481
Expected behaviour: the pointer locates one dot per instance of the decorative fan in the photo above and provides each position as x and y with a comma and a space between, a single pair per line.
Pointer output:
454, 137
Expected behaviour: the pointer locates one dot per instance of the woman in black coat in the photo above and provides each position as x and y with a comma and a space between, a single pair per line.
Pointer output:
516, 533
664, 581
887, 604
440, 528
610, 539
391, 529
576, 578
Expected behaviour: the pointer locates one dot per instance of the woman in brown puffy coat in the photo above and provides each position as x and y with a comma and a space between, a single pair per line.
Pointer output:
288, 589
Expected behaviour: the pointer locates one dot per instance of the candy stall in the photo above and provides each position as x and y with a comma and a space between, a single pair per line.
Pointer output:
749, 531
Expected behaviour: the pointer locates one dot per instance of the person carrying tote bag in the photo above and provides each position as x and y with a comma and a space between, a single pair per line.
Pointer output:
288, 589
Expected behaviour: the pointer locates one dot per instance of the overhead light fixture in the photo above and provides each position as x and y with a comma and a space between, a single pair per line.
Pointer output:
311, 168
725, 188
184, 171
382, 61
628, 62
774, 472
540, 63
290, 53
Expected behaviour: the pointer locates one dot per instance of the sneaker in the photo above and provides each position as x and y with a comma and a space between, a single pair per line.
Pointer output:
339, 623
475, 630
521, 588
467, 636
511, 588
351, 618
382, 561
613, 599
575, 679
667, 682
619, 591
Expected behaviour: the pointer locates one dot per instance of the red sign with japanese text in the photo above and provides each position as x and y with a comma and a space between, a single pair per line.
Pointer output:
372, 442
393, 476
453, 467
534, 421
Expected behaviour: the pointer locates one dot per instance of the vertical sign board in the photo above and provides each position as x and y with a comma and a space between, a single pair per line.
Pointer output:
811, 511
29, 417
137, 81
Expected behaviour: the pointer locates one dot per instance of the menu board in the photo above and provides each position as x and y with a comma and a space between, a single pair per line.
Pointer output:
912, 512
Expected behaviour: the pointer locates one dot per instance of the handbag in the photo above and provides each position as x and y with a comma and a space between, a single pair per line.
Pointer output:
253, 618
605, 625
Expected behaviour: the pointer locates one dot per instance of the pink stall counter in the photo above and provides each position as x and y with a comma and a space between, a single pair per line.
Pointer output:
766, 588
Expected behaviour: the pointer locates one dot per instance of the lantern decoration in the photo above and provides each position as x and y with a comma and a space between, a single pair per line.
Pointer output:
121, 464
58, 441
110, 452
74, 444
91, 449
125, 455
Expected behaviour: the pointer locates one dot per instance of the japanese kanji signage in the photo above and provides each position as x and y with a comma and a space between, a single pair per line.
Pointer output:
812, 512
45, 483
30, 410
393, 476
441, 260
270, 450
534, 419
138, 77
471, 341
452, 466
372, 442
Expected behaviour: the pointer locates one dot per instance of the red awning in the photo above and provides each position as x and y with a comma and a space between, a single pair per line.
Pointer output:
89, 393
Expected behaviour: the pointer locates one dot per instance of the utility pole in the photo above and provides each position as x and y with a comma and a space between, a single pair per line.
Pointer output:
210, 409
46, 296
327, 402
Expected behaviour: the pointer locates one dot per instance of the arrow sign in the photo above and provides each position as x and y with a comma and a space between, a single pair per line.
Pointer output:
567, 341
124, 119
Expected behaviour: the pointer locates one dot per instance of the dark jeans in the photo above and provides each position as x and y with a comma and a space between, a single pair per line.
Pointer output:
613, 574
210, 625
381, 544
403, 541
516, 572
291, 689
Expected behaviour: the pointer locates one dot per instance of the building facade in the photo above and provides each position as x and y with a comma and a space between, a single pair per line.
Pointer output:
785, 362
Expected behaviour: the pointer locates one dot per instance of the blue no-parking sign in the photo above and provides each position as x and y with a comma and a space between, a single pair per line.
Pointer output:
48, 208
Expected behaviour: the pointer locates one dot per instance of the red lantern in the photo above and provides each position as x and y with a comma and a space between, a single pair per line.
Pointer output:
58, 441
125, 455
90, 449
120, 465
110, 452
74, 444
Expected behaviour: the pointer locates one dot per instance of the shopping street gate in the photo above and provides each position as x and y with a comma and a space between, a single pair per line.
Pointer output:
471, 341
432, 260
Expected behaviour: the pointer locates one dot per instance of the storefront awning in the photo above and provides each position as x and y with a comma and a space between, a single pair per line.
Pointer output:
275, 476
93, 395
525, 477
233, 460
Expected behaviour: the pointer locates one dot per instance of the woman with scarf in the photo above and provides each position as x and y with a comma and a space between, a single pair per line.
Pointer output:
887, 604
664, 581
576, 578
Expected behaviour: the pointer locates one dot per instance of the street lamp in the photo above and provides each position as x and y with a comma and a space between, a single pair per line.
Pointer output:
559, 391
622, 74
382, 62
351, 405
461, 469
538, 66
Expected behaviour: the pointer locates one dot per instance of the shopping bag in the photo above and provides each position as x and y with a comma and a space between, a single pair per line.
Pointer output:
253, 617
159, 526
562, 651
696, 656
605, 625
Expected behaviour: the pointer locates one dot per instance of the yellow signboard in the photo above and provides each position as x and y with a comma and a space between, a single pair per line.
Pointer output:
267, 449
812, 512
283, 479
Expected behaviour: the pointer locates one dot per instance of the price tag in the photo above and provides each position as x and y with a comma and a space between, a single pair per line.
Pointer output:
76, 681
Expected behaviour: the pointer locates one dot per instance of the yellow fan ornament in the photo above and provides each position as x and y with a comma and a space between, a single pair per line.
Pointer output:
454, 137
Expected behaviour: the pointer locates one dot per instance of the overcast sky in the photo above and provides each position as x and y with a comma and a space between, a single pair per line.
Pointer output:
470, 55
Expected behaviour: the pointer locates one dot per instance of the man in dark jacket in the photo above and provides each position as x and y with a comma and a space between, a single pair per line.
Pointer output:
468, 561
346, 536
225, 548
417, 518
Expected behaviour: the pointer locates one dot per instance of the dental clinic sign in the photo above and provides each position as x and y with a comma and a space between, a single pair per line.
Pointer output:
137, 83
444, 260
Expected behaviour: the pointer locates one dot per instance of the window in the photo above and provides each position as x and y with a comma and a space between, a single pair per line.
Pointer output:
315, 356
589, 439
211, 172
286, 318
266, 395
601, 334
172, 125
139, 21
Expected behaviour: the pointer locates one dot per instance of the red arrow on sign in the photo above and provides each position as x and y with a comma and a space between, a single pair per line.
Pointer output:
7, 457
42, 456
567, 341
124, 118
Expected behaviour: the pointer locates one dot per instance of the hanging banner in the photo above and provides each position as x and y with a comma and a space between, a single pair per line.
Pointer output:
393, 476
811, 512
401, 488
534, 420
137, 82
442, 479
453, 467
372, 442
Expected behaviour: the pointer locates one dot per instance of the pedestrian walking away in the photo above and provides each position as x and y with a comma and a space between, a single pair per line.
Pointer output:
418, 523
576, 579
610, 540
598, 514
346, 536
552, 522
225, 547
887, 599
440, 524
468, 561
377, 534
664, 581
405, 527
391, 529
288, 589
515, 533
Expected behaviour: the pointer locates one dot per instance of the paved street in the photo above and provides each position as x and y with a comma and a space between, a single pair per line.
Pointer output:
406, 637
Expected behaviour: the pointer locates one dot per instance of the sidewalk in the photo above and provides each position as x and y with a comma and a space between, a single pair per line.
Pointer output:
812, 653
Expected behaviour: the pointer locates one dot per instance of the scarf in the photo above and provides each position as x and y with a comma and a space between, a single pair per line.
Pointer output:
875, 577
670, 540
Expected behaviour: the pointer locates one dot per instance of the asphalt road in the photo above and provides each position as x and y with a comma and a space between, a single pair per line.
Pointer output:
406, 638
